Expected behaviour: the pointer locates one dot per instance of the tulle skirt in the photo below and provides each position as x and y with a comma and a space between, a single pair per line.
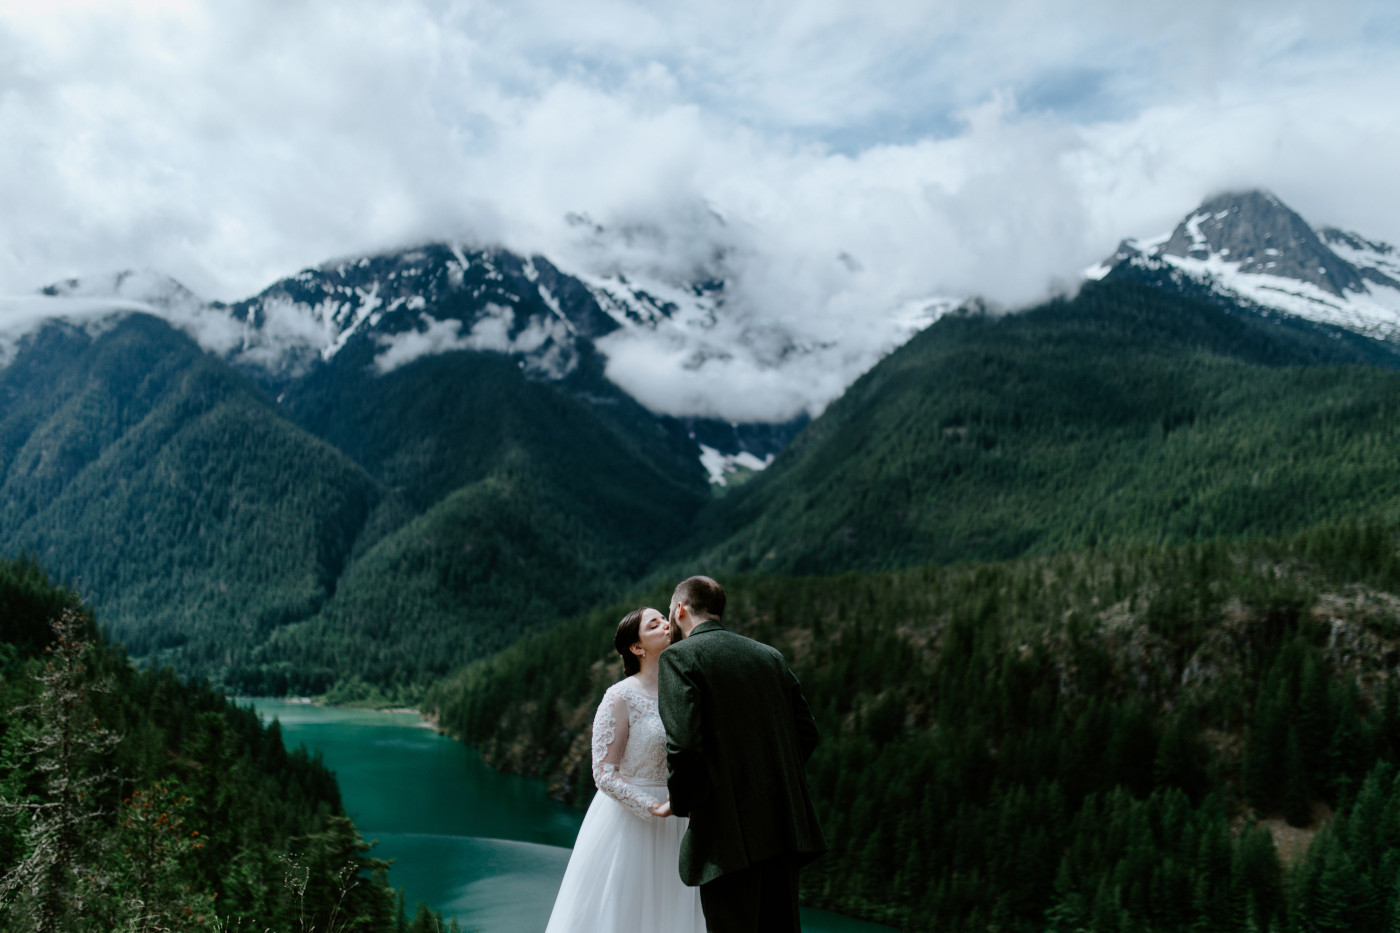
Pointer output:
624, 875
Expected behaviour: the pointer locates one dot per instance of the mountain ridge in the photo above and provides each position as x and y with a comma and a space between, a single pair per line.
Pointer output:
393, 438
1250, 247
949, 448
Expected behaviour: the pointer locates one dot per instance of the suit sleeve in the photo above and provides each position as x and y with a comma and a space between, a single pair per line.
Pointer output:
805, 725
680, 705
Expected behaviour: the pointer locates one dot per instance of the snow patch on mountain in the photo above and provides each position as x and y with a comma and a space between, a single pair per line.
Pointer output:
690, 338
913, 316
1374, 312
1253, 248
1375, 261
632, 303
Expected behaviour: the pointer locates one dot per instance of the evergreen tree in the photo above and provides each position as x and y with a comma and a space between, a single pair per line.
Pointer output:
1297, 799
61, 875
156, 841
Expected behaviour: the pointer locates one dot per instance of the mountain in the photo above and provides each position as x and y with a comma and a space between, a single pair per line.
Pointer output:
393, 308
1128, 413
1250, 247
166, 488
519, 498
144, 287
383, 467
451, 503
420, 302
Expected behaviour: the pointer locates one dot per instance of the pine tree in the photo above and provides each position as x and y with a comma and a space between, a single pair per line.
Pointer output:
331, 895
61, 872
1394, 924
1297, 801
1388, 738
1259, 875
156, 843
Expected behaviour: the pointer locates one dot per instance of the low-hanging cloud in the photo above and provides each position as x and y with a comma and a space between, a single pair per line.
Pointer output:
831, 161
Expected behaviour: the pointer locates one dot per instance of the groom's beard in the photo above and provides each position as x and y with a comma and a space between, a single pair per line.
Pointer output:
676, 634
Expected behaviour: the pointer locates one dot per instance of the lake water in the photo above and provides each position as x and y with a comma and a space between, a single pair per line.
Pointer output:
470, 841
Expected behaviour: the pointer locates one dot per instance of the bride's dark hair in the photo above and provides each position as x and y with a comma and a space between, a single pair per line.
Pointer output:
628, 634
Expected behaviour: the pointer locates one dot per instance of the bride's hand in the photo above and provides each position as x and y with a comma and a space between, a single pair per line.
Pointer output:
662, 809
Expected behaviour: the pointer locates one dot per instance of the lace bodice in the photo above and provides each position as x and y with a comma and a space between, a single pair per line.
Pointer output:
629, 747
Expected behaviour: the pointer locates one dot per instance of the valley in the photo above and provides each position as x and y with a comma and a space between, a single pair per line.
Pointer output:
1069, 587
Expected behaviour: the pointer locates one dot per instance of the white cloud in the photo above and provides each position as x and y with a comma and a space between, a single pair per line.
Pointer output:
941, 149
436, 337
490, 332
95, 308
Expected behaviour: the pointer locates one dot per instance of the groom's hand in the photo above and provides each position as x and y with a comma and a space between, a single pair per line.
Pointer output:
662, 809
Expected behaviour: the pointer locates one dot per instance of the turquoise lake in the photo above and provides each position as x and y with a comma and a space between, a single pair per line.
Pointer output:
470, 841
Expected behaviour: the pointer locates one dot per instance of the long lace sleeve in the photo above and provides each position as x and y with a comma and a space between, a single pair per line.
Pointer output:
610, 727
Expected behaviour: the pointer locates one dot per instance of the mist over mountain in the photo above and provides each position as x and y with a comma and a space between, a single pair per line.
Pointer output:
438, 436
674, 325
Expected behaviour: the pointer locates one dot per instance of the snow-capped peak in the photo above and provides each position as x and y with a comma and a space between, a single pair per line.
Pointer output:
671, 325
1253, 247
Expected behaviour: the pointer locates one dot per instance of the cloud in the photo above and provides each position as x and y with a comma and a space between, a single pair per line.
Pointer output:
543, 341
96, 308
832, 160
436, 337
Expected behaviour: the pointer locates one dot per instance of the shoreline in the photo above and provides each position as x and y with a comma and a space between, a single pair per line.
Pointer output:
318, 701
425, 720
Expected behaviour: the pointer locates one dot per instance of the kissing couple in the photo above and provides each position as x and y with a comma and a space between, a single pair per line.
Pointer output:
704, 816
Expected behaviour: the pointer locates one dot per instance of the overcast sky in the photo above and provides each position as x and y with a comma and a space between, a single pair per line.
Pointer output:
855, 153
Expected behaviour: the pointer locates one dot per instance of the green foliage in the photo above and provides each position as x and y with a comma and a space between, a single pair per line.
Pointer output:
1124, 415
1086, 741
156, 804
326, 887
382, 528
491, 562
58, 878
462, 505
163, 484
532, 501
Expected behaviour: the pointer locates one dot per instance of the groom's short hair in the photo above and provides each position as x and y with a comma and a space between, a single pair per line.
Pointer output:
703, 595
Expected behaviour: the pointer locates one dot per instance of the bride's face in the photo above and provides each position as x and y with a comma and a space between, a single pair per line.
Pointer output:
654, 632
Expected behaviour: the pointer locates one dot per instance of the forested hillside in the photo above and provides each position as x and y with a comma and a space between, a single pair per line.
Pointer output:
1125, 414
369, 529
523, 498
1099, 740
167, 490
137, 802
215, 533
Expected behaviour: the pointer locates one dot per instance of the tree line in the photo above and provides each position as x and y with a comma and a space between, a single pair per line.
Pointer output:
134, 801
1146, 738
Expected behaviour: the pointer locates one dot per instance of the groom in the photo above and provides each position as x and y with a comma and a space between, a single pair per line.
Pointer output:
738, 733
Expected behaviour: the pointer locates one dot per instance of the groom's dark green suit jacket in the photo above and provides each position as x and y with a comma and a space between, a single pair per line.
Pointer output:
738, 736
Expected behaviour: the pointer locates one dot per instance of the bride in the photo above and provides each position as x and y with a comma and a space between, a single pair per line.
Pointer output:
624, 872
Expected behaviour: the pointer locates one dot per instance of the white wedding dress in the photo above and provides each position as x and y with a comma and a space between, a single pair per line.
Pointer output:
624, 874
